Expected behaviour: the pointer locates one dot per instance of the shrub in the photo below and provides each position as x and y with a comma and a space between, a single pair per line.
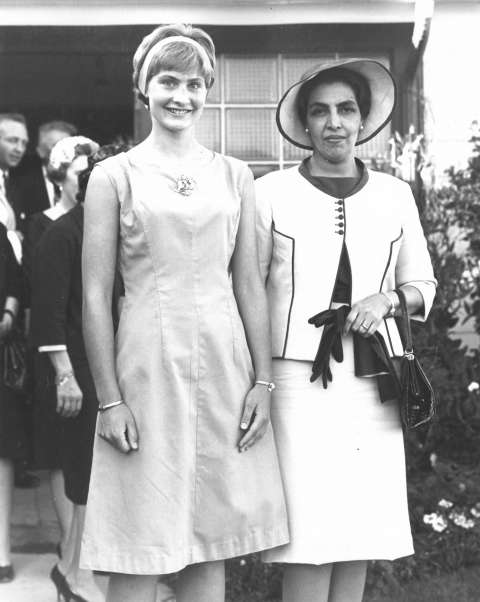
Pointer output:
442, 459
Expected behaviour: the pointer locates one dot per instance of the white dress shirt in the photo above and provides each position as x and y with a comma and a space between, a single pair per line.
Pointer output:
49, 186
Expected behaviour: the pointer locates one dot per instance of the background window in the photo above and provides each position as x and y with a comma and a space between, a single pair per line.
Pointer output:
239, 119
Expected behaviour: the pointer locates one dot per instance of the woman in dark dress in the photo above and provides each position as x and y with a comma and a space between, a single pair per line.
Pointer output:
12, 436
48, 424
57, 334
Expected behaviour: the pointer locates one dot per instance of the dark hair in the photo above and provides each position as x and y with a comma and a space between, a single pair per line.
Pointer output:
357, 82
18, 117
108, 150
178, 55
57, 126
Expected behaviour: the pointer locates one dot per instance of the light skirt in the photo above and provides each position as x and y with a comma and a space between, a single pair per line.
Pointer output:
343, 466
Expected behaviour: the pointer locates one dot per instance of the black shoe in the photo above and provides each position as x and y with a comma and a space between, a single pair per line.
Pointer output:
64, 593
60, 583
6, 573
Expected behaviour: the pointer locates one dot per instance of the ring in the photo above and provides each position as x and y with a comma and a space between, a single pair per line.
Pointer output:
364, 326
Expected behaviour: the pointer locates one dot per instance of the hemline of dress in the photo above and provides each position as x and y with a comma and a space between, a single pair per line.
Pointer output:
272, 556
133, 561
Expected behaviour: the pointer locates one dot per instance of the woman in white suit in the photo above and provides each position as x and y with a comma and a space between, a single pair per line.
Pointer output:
335, 241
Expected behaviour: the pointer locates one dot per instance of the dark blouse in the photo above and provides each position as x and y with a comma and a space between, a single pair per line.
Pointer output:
366, 361
35, 227
340, 188
57, 285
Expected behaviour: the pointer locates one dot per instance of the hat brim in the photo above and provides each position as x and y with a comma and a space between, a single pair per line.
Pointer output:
383, 100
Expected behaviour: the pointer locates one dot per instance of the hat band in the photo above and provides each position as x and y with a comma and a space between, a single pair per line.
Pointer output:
155, 49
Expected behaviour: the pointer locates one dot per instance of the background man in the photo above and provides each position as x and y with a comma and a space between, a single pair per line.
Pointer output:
32, 189
13, 144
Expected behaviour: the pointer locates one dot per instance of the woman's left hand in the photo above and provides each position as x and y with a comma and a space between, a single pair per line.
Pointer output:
256, 416
366, 315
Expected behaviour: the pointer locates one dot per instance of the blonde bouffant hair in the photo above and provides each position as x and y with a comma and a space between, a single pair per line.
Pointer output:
176, 56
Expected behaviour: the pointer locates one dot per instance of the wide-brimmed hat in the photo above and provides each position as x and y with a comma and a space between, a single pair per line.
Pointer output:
383, 99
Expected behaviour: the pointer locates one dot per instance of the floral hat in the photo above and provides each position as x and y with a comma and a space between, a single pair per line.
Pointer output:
66, 150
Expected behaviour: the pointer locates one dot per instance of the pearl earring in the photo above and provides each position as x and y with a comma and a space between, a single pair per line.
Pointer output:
307, 130
362, 126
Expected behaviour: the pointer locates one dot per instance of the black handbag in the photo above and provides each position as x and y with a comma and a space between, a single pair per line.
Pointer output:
14, 361
415, 393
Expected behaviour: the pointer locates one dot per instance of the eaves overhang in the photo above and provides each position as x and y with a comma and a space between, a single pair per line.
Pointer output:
206, 12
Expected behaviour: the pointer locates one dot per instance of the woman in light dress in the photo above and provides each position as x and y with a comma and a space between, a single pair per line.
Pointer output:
185, 472
335, 241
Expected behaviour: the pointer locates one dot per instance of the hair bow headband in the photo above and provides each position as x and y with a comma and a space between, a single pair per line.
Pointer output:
155, 49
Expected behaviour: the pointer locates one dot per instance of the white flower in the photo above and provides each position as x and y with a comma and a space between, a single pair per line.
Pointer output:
461, 520
64, 150
473, 386
465, 523
445, 504
437, 522
475, 512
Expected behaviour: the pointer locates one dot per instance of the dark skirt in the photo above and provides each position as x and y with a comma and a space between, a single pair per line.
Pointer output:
65, 443
79, 434
13, 441
47, 424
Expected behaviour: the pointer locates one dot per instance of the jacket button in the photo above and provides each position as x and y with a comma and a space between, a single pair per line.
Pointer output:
339, 231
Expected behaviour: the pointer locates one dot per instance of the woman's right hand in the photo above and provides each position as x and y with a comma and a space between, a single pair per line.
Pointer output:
117, 426
69, 398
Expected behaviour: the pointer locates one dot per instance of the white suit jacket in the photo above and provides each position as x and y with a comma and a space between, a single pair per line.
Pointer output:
300, 239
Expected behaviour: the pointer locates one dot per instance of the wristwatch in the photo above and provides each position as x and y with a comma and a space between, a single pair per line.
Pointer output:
265, 383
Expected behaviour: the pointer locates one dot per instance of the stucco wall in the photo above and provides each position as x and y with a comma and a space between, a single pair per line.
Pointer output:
451, 81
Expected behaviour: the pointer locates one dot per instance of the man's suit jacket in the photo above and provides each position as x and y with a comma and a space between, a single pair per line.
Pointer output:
27, 192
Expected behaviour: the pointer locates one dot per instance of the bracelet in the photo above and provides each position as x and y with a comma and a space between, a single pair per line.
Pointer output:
10, 313
394, 301
265, 383
61, 379
107, 406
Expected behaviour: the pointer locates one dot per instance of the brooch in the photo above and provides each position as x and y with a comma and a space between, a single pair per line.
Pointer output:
185, 185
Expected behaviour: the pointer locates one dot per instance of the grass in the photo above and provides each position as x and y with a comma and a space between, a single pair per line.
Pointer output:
462, 586
261, 584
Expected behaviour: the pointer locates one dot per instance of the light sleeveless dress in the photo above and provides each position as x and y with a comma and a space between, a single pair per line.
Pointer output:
183, 365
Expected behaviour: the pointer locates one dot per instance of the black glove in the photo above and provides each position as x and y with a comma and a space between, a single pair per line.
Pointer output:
333, 321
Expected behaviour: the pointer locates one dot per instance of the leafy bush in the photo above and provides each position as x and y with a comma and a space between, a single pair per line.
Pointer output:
442, 460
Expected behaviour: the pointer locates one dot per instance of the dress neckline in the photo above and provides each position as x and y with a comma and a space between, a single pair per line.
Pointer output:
336, 186
152, 159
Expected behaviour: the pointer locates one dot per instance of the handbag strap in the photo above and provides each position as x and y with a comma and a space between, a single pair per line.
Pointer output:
406, 321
